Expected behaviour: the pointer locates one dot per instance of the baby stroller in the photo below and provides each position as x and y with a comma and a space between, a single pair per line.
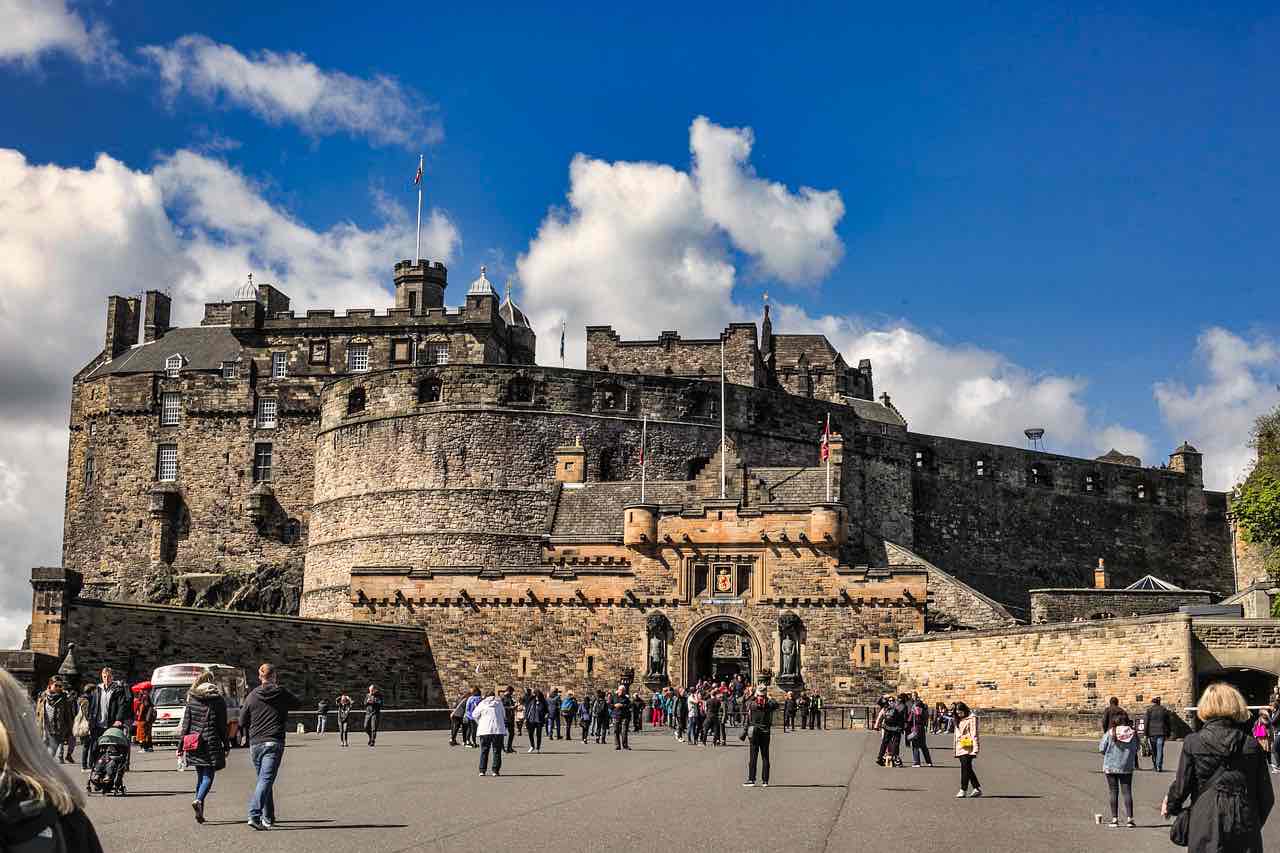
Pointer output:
111, 763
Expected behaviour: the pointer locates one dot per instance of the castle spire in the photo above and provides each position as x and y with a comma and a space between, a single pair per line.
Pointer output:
766, 332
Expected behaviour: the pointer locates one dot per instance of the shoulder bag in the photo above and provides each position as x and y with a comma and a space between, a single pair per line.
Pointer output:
80, 728
1180, 829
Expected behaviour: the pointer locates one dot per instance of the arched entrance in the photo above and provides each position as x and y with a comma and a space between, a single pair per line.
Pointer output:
1257, 685
720, 649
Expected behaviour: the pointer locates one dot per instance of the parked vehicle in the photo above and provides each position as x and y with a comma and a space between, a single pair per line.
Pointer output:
169, 686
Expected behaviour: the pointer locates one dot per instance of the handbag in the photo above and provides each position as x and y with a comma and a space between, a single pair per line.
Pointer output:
191, 742
1180, 829
80, 728
966, 742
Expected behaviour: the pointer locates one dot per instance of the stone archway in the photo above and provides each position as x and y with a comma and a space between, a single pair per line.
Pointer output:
709, 651
1257, 685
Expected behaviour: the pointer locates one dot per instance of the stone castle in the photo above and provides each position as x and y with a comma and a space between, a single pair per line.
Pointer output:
417, 468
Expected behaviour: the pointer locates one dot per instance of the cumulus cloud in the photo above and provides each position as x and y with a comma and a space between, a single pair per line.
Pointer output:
286, 87
33, 29
191, 225
1217, 415
646, 246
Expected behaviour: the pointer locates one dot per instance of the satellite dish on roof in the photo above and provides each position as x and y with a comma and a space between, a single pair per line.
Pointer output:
1035, 437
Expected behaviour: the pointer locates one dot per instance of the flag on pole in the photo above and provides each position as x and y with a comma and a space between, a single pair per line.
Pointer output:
826, 439
417, 177
562, 342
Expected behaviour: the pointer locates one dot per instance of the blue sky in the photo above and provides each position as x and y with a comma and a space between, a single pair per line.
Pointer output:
1055, 213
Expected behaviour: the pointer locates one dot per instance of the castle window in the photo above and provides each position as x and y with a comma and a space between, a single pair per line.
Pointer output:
413, 302
924, 459
88, 472
167, 463
170, 408
1039, 475
1091, 483
173, 365
980, 468
591, 665
229, 370
262, 462
437, 353
279, 365
520, 390
355, 401
293, 531
612, 397
1140, 493
267, 408
401, 351
429, 391
358, 358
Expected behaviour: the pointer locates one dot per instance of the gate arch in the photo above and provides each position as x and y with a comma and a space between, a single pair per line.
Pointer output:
701, 638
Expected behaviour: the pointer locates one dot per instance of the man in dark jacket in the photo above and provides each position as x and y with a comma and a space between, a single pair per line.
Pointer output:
109, 705
1109, 715
265, 716
54, 714
620, 714
509, 710
1158, 727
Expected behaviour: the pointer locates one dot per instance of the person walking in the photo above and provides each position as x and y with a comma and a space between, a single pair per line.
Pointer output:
600, 711
1158, 723
491, 728
584, 715
1222, 772
265, 717
893, 722
788, 712
458, 720
322, 715
694, 702
202, 739
144, 714
372, 714
966, 749
1108, 716
535, 717
918, 733
54, 716
620, 716
681, 710
82, 728
344, 704
40, 808
1119, 748
757, 732
715, 719
637, 712
815, 711
524, 700
509, 711
553, 714
568, 712
109, 706
469, 734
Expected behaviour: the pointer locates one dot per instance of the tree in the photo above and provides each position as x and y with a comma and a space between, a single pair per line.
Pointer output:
1255, 505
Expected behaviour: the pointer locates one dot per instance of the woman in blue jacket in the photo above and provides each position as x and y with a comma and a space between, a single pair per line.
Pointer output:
1119, 748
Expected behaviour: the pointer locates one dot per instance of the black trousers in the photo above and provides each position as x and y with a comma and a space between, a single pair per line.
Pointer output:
968, 777
344, 730
759, 749
456, 724
586, 728
602, 729
371, 722
620, 729
535, 735
553, 724
494, 743
511, 735
1118, 783
568, 727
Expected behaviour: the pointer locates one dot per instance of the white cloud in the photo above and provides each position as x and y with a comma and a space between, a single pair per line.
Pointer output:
30, 29
192, 225
646, 247
1217, 415
286, 87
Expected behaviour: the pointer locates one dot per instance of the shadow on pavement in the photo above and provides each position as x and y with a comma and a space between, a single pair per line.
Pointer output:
772, 785
1011, 797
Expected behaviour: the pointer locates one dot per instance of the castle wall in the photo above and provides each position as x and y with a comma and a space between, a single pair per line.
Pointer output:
1054, 679
1004, 534
1068, 605
672, 355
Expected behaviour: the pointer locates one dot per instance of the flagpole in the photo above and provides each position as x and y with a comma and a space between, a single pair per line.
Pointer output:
562, 342
722, 452
644, 457
417, 249
827, 438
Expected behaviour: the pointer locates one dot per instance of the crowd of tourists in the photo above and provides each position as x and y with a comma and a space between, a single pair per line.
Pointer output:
1219, 798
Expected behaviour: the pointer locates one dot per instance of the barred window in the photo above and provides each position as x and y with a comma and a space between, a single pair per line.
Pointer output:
167, 463
170, 408
229, 370
267, 413
358, 358
88, 473
437, 353
279, 365
173, 365
262, 462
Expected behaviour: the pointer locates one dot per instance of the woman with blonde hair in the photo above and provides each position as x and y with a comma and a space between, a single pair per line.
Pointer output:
1224, 774
36, 797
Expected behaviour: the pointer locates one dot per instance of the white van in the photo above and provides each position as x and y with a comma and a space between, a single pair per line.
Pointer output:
169, 686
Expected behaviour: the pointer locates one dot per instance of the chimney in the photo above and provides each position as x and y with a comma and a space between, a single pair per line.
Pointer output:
122, 324
155, 317
1101, 578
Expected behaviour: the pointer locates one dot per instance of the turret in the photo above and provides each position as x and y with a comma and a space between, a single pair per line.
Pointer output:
1187, 460
420, 285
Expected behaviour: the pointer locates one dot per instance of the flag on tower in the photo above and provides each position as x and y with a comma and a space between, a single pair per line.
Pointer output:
417, 177
562, 342
826, 439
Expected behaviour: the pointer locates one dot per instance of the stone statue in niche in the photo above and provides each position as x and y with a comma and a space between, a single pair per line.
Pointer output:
657, 626
789, 632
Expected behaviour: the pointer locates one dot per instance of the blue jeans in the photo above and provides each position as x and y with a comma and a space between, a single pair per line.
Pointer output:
204, 781
266, 760
1157, 751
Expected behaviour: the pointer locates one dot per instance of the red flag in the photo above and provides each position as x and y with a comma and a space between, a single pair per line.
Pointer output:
826, 439
417, 177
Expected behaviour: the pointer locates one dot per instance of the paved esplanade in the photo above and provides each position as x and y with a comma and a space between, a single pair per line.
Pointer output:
414, 792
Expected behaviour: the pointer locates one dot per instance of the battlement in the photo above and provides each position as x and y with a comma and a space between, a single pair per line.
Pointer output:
671, 355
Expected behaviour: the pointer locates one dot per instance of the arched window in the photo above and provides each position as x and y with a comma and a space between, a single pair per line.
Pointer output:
355, 401
429, 390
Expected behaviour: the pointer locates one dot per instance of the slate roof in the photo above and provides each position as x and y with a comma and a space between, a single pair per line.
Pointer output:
816, 348
791, 485
595, 510
1115, 457
202, 348
869, 410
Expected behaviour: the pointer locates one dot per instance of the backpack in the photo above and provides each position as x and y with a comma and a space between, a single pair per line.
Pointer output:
1226, 796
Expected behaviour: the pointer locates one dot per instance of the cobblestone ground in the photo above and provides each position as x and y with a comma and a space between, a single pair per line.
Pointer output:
413, 792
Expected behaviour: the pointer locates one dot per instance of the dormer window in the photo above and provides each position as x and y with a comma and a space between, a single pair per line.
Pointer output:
173, 365
229, 371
